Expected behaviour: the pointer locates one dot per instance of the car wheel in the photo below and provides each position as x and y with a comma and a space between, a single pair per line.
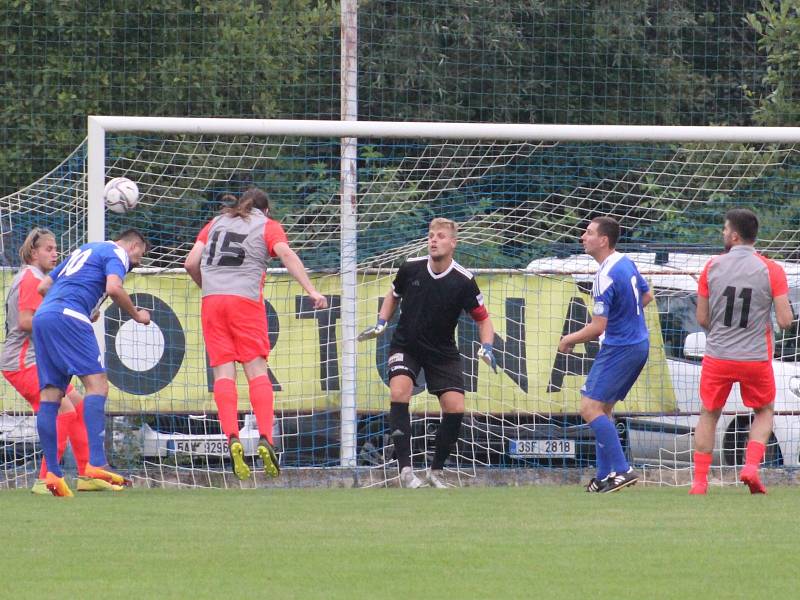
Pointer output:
735, 442
375, 446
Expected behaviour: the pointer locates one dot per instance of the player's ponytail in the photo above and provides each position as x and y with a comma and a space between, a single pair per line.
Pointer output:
33, 241
241, 206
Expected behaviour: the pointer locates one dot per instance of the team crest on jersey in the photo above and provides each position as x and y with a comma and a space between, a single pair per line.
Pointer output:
599, 308
396, 357
415, 283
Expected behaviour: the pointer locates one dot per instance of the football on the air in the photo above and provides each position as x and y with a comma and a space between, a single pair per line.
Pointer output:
121, 195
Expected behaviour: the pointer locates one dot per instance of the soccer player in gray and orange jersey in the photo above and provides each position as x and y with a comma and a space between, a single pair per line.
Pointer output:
228, 262
735, 295
39, 255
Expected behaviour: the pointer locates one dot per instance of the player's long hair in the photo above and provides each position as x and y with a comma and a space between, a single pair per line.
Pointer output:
241, 206
33, 241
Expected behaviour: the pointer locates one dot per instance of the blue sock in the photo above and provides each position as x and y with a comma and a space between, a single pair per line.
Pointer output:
606, 435
603, 464
46, 426
94, 416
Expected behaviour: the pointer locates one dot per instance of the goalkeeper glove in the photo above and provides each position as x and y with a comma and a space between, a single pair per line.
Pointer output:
372, 332
486, 354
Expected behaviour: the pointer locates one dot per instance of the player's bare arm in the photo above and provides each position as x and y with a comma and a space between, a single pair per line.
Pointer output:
647, 298
703, 312
486, 336
388, 306
297, 270
44, 286
117, 293
783, 311
593, 330
485, 331
192, 263
25, 321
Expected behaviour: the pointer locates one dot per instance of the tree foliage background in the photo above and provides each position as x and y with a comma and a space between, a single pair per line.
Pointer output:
651, 62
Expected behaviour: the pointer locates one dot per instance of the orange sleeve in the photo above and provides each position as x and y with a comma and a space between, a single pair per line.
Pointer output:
777, 279
29, 298
702, 284
273, 234
203, 235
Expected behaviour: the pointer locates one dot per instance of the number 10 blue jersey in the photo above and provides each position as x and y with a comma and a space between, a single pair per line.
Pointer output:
79, 283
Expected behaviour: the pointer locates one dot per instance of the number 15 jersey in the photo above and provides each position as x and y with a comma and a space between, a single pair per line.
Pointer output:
740, 286
236, 253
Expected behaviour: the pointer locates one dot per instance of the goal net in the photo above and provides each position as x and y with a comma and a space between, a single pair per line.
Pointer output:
522, 196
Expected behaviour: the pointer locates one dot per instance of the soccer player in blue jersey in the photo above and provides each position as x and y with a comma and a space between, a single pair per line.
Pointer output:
620, 294
66, 345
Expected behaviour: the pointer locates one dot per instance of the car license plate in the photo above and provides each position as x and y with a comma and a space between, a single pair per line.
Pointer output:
541, 448
199, 446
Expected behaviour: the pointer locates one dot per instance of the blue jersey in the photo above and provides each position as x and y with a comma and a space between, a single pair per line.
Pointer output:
79, 283
617, 293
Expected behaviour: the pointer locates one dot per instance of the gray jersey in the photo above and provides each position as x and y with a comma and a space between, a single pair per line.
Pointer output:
22, 295
740, 286
236, 253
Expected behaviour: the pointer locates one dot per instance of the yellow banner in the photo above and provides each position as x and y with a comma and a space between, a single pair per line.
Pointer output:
164, 368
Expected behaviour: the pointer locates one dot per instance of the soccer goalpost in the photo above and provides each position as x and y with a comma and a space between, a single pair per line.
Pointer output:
355, 199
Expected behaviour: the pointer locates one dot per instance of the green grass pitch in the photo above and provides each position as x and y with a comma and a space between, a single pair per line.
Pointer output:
523, 542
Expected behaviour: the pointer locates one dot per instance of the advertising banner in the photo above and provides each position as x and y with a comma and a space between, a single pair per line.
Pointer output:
163, 367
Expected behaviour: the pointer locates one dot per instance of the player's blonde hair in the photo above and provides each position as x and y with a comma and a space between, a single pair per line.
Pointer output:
442, 223
33, 240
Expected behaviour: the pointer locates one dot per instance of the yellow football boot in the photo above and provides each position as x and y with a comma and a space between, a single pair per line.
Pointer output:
57, 486
267, 454
106, 475
240, 468
93, 484
40, 488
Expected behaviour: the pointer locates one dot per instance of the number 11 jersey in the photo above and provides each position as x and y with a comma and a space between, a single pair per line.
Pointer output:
740, 286
236, 253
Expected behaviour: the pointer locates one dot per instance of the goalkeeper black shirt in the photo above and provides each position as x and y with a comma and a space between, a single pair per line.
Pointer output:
430, 304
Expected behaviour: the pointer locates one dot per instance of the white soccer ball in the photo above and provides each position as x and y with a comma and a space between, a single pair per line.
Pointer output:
121, 195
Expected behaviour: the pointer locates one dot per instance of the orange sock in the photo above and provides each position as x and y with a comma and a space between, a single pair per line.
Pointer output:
64, 423
79, 440
227, 399
702, 463
754, 453
263, 401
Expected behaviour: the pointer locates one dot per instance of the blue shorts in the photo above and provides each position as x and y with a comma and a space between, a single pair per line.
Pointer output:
65, 346
614, 371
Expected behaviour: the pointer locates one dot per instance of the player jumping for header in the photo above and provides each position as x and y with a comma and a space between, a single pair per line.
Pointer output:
228, 262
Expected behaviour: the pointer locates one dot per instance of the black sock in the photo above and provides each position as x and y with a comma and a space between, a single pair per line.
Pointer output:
400, 425
446, 438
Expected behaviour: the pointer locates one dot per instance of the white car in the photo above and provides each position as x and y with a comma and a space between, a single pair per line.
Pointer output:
667, 439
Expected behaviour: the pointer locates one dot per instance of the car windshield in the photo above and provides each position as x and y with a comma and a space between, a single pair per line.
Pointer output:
677, 311
787, 347
677, 315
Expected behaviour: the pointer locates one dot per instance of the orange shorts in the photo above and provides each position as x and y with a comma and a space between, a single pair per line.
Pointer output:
756, 382
26, 382
234, 328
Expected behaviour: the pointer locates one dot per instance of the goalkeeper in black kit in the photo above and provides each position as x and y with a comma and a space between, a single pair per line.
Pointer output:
431, 291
